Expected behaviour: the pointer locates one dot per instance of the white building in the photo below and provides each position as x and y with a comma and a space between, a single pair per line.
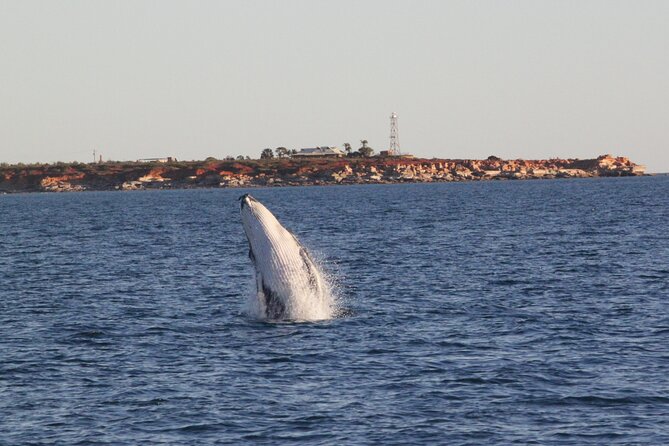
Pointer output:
320, 152
169, 159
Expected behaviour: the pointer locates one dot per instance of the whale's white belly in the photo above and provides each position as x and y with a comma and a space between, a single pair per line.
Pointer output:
289, 284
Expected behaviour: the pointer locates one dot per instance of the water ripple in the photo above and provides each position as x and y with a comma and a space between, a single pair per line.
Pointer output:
480, 313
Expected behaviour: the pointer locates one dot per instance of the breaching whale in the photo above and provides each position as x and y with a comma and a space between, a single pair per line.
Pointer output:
289, 283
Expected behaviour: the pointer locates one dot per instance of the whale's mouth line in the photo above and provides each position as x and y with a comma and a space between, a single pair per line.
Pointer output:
246, 202
246, 199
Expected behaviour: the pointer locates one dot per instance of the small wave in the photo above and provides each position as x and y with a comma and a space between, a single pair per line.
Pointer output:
152, 402
192, 428
380, 351
91, 334
615, 401
594, 400
92, 337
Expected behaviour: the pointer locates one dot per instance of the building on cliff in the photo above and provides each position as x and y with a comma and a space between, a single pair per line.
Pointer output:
169, 159
387, 154
320, 152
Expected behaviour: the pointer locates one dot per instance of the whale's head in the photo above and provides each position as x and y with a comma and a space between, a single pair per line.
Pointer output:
262, 228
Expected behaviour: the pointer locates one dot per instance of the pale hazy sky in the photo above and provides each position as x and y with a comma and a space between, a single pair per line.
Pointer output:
191, 79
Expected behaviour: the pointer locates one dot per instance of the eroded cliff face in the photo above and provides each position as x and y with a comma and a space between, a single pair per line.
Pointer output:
63, 183
291, 172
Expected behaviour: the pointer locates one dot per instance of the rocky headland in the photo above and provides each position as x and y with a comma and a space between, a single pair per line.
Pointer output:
66, 177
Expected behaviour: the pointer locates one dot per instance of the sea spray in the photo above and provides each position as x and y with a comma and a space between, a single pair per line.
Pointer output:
303, 304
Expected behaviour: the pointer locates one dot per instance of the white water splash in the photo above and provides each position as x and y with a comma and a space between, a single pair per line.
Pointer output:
303, 305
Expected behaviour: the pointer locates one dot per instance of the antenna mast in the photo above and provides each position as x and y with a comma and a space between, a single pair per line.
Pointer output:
394, 149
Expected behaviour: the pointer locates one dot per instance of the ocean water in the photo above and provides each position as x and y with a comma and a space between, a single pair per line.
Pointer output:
530, 312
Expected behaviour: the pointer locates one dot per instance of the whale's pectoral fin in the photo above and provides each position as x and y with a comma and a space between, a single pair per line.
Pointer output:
306, 258
309, 263
259, 286
274, 306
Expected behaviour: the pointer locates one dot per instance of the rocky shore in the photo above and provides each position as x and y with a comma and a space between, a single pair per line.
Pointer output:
72, 177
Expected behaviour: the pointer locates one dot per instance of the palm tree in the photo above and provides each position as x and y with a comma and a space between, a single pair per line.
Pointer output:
348, 149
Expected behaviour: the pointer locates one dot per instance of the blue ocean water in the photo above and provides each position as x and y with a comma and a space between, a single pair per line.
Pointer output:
529, 312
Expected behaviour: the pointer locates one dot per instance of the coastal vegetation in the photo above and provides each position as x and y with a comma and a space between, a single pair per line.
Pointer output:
365, 151
284, 171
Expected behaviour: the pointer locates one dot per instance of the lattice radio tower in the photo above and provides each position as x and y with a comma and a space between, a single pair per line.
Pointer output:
394, 149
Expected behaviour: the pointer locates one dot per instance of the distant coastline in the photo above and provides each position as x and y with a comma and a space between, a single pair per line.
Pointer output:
171, 174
